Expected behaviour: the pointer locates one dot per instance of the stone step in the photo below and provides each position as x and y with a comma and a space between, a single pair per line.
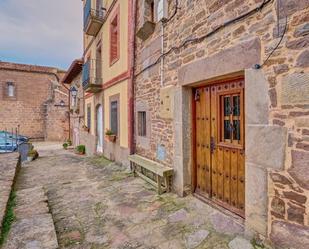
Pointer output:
34, 227
9, 166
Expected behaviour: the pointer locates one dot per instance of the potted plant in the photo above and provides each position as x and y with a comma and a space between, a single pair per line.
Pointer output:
32, 155
69, 142
65, 145
81, 149
110, 136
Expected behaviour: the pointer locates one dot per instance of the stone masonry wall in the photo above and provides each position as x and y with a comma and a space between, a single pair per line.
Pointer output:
34, 92
287, 73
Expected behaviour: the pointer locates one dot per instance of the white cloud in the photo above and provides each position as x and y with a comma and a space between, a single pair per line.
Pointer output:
41, 31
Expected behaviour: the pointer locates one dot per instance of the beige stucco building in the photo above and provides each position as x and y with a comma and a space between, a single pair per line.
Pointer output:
107, 76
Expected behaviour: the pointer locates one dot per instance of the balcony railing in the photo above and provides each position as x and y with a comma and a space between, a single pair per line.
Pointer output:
91, 77
93, 18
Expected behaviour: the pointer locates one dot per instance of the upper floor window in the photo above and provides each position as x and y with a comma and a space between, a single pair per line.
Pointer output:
114, 39
9, 90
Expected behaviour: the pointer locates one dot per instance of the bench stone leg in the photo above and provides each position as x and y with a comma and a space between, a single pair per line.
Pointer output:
167, 183
133, 169
159, 185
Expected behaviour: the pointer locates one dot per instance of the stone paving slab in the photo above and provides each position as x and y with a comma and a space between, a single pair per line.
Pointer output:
36, 232
97, 204
34, 227
9, 165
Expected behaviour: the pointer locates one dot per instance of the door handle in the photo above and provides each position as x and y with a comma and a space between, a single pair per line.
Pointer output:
212, 144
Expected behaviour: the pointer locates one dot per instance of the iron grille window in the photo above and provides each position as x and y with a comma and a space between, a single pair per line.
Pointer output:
142, 131
89, 116
114, 117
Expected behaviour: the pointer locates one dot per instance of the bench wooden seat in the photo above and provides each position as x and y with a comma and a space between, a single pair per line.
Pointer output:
160, 171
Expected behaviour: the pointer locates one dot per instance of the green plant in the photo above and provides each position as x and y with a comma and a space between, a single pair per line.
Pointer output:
8, 218
33, 153
69, 142
109, 132
65, 145
81, 149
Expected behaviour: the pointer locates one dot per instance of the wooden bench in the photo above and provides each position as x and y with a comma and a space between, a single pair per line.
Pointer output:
160, 171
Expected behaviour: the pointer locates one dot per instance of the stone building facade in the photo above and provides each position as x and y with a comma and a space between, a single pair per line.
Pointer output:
259, 46
30, 98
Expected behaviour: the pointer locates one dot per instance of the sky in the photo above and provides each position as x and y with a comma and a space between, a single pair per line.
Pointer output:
41, 32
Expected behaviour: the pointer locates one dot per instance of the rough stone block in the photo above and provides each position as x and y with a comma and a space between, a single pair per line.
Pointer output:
300, 169
222, 63
256, 97
287, 235
295, 89
256, 198
265, 145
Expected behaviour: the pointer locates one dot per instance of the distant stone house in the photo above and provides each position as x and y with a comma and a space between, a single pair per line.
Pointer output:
221, 95
33, 100
73, 78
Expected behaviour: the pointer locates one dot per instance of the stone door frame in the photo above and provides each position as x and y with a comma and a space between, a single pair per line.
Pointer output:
265, 145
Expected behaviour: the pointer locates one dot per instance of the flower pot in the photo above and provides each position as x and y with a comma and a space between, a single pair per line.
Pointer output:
111, 138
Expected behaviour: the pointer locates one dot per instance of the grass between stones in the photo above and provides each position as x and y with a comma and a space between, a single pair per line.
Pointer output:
9, 218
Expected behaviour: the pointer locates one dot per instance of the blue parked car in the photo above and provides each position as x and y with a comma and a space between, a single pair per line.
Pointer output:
9, 142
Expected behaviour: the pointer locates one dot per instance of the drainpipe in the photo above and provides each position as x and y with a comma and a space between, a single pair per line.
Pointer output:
162, 58
131, 81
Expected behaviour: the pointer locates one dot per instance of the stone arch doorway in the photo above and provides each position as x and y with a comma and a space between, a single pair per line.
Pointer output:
99, 130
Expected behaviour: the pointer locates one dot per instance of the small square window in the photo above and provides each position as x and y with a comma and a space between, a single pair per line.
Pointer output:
142, 130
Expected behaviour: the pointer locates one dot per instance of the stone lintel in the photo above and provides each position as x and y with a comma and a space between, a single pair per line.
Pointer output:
242, 56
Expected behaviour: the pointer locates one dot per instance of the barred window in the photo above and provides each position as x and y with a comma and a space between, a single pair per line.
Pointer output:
142, 131
89, 116
114, 117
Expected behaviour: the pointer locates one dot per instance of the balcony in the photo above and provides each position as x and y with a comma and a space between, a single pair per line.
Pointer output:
92, 77
93, 18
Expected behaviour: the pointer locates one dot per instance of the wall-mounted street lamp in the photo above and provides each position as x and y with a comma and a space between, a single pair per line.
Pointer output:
61, 104
73, 91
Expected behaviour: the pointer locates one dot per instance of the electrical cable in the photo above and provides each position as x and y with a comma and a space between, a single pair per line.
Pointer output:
199, 39
257, 66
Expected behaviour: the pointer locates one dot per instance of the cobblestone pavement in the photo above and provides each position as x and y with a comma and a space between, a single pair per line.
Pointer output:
97, 204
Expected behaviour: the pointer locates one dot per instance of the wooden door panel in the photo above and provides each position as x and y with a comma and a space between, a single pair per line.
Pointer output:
234, 178
219, 138
207, 141
226, 175
220, 175
241, 180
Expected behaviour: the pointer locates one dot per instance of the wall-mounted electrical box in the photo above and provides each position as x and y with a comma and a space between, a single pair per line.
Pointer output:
167, 102
162, 10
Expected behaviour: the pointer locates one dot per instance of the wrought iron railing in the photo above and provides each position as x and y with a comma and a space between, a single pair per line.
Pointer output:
90, 12
91, 74
10, 140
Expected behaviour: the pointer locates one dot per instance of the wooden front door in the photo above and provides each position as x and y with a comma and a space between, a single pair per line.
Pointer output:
219, 160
